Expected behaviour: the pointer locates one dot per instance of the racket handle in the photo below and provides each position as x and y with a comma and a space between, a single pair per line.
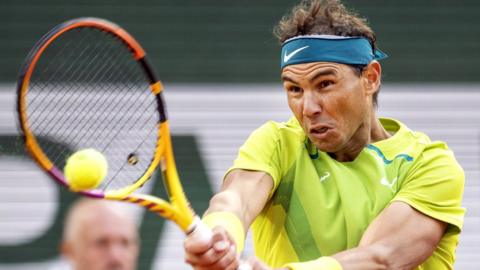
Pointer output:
201, 230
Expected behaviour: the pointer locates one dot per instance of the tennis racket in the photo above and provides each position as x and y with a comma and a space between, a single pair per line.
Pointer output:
87, 84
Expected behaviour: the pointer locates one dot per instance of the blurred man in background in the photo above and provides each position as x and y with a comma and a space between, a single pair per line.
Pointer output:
100, 235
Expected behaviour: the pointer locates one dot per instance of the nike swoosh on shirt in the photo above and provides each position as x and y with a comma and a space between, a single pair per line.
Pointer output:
325, 176
385, 182
287, 57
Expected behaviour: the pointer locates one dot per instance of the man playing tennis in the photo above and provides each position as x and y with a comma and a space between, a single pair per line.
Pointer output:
335, 187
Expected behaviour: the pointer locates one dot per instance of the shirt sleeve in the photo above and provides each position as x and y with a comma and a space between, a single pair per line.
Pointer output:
261, 152
434, 186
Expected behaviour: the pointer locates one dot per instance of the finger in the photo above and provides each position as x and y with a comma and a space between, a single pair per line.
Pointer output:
227, 262
221, 240
193, 243
199, 254
210, 257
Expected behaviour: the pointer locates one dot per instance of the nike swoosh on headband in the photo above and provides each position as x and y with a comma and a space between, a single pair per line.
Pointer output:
287, 57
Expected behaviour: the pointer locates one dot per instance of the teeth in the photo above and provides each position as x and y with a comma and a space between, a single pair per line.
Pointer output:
320, 130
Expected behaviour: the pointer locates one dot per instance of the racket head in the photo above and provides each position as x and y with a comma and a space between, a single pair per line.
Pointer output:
87, 84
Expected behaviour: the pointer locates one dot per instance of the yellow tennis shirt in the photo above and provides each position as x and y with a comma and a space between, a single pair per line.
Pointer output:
320, 206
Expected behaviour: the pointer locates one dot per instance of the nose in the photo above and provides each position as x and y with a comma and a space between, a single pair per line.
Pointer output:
311, 104
117, 253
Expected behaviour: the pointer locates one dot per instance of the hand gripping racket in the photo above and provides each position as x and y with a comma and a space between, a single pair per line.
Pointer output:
88, 84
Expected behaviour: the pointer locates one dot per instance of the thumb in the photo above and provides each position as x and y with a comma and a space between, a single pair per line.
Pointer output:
198, 241
220, 240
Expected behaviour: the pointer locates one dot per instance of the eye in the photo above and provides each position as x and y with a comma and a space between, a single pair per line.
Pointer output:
325, 83
294, 89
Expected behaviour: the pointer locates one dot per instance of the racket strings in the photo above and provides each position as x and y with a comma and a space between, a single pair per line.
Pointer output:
64, 110
45, 71
122, 124
59, 83
88, 107
46, 84
94, 94
107, 184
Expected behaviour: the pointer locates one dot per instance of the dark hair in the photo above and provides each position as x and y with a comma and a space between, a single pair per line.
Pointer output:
327, 17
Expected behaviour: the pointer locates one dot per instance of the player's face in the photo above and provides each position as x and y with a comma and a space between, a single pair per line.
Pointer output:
107, 244
331, 102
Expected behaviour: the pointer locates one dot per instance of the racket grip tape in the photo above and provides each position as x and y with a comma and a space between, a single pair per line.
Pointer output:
201, 230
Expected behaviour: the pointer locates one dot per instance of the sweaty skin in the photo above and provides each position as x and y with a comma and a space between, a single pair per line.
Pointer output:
335, 108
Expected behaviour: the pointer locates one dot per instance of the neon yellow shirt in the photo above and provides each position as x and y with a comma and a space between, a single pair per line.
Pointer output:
320, 206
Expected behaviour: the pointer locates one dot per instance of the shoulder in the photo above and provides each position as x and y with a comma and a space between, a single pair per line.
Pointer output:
417, 156
407, 142
437, 161
279, 131
290, 127
271, 148
433, 181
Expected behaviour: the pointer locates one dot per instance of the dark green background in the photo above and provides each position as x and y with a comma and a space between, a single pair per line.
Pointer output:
231, 41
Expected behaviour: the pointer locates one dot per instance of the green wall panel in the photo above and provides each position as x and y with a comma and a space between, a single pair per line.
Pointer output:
231, 41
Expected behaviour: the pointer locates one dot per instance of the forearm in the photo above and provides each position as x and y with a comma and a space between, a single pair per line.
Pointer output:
236, 195
234, 208
361, 258
370, 257
399, 238
229, 201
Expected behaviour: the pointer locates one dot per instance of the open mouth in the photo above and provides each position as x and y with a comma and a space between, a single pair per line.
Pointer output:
319, 131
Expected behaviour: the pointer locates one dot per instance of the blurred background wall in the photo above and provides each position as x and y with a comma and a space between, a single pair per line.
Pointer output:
220, 64
231, 41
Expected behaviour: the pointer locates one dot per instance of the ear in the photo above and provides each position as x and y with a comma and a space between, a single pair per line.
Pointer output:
373, 75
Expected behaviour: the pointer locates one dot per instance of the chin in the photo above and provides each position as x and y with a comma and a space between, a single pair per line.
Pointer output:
329, 147
326, 148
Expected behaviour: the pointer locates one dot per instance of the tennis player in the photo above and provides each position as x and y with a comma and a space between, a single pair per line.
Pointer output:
335, 187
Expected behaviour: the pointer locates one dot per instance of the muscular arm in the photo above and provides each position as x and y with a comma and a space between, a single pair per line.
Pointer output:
399, 238
243, 193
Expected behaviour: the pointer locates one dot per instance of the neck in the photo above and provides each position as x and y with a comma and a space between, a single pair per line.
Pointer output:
369, 132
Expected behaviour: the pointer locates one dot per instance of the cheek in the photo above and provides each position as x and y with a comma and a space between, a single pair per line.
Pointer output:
296, 107
133, 255
347, 108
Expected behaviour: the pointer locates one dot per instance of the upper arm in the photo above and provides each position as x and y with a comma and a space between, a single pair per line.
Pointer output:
399, 238
428, 202
404, 236
425, 212
434, 186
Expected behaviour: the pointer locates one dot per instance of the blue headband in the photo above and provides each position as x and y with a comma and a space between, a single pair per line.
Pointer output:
327, 48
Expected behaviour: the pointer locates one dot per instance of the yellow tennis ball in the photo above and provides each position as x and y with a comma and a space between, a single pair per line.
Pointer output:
85, 169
